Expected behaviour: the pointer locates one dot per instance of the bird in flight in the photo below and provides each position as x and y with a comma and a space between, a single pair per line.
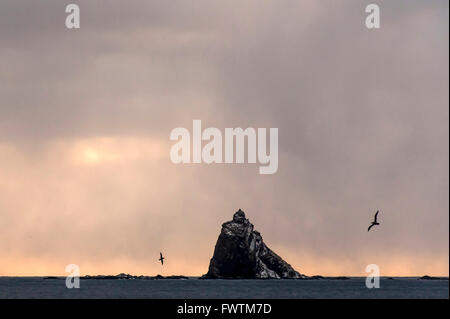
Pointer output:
161, 258
375, 222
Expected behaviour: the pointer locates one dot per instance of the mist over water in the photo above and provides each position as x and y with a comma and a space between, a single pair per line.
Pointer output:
86, 115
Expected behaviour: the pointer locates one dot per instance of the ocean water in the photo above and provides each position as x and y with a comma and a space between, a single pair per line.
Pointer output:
38, 287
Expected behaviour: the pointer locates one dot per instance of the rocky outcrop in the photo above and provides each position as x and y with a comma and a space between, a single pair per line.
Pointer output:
241, 253
426, 277
123, 276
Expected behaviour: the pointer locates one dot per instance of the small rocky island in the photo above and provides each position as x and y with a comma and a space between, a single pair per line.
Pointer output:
123, 276
128, 276
240, 253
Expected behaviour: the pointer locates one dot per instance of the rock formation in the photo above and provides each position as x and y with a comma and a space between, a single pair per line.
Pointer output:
241, 253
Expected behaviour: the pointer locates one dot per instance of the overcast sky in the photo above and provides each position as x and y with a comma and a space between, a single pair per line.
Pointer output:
85, 118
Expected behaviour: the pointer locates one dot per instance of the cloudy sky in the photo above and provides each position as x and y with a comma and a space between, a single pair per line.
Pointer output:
85, 119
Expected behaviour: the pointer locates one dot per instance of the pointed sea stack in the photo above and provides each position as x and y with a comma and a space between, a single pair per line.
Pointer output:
240, 253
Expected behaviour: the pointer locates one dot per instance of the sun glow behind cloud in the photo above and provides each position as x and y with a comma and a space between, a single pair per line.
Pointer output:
96, 151
92, 156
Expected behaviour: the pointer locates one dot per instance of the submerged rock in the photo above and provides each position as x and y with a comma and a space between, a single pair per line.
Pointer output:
241, 253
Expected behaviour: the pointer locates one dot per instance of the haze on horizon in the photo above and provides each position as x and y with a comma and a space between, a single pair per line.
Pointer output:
85, 118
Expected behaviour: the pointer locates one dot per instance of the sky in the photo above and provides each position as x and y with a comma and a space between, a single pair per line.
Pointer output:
86, 114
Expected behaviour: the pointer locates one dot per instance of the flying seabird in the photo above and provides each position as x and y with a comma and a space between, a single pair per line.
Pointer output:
375, 222
161, 258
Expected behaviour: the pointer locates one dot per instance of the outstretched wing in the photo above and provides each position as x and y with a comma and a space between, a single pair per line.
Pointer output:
160, 255
162, 261
376, 215
370, 227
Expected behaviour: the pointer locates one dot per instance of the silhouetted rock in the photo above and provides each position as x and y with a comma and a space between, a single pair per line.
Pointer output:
176, 277
241, 253
123, 276
316, 277
339, 278
426, 277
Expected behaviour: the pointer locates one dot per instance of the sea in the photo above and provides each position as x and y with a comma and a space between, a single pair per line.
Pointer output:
193, 288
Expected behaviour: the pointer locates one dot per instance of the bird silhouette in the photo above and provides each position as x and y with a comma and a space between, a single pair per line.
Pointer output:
375, 222
161, 258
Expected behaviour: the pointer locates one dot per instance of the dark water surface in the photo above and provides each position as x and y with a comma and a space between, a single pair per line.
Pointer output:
38, 287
